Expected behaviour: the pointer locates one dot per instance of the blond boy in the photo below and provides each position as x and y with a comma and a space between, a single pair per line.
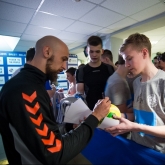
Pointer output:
148, 128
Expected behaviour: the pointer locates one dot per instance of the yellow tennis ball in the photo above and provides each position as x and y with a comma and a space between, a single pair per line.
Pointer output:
113, 110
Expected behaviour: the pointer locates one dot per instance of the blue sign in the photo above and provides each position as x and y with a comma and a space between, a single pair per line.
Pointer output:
9, 63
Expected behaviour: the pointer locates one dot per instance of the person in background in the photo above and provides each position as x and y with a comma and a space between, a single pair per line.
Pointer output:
117, 88
161, 61
156, 62
29, 133
116, 64
107, 58
51, 89
70, 76
81, 65
29, 56
148, 128
91, 78
130, 79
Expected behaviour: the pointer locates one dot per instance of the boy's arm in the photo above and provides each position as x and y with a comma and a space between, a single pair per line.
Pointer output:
127, 126
158, 131
80, 88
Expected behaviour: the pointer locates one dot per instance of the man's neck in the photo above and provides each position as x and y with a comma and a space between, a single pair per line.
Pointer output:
94, 64
149, 72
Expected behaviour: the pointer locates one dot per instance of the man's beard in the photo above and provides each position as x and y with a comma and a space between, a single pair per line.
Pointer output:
52, 75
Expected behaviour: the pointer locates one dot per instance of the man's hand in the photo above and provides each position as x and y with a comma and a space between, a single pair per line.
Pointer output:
124, 126
101, 108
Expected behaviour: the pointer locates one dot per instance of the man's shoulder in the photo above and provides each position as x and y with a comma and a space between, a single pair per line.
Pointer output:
108, 67
83, 67
87, 69
116, 80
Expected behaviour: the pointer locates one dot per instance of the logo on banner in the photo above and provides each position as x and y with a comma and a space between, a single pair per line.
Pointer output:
11, 70
72, 61
61, 77
14, 61
1, 70
2, 80
3, 54
62, 84
1, 60
21, 54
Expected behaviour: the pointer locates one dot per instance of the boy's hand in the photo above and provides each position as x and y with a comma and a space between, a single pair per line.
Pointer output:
124, 126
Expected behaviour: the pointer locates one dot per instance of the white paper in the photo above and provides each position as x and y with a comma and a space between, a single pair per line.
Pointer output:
108, 122
76, 112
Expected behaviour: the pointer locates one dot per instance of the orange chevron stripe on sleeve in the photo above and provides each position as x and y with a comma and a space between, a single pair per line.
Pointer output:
56, 148
38, 120
29, 98
34, 109
43, 132
50, 140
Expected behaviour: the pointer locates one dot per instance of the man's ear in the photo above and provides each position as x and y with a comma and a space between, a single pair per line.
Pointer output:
106, 59
46, 52
145, 53
87, 50
102, 51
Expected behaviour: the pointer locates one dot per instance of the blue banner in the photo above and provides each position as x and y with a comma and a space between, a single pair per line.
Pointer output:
9, 63
106, 149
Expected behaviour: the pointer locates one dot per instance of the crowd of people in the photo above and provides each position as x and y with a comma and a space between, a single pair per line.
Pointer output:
30, 118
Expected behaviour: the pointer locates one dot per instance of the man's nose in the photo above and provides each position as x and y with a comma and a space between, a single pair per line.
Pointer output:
94, 54
64, 66
127, 64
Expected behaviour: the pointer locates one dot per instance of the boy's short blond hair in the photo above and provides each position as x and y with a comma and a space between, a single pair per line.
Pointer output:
138, 42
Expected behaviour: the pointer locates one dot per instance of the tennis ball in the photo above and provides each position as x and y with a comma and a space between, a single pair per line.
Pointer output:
113, 110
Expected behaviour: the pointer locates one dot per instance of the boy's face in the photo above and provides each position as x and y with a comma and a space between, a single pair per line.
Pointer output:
161, 65
95, 53
69, 77
134, 60
156, 63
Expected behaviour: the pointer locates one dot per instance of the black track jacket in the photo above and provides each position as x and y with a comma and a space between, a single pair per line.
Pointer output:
29, 133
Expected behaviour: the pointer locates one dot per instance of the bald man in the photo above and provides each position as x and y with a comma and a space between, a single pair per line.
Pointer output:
29, 133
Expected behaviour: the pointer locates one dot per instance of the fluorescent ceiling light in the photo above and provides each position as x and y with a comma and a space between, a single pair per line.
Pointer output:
48, 28
8, 43
154, 42
47, 13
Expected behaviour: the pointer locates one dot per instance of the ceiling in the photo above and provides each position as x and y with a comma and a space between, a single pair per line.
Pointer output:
73, 22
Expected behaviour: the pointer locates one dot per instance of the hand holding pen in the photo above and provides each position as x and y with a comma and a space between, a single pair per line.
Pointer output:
101, 108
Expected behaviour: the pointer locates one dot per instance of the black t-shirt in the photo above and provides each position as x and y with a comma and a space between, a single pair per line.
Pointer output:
94, 80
